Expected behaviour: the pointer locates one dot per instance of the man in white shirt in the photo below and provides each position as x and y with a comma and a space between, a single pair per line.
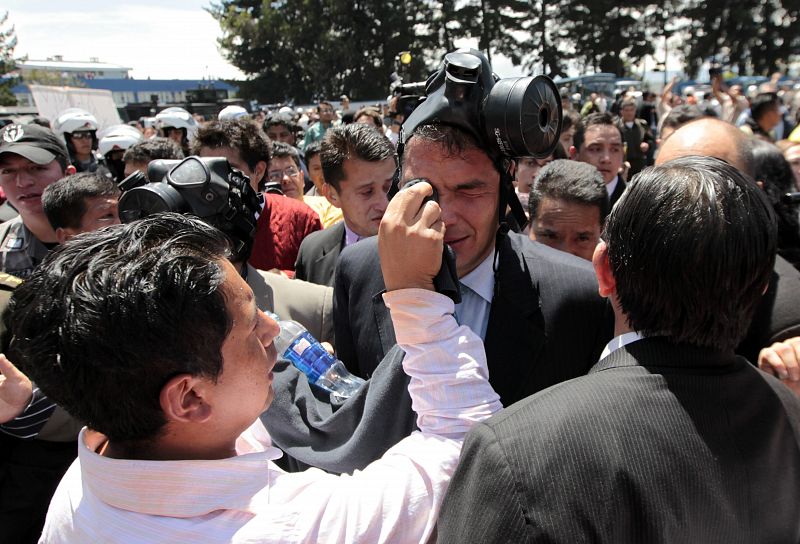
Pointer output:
153, 318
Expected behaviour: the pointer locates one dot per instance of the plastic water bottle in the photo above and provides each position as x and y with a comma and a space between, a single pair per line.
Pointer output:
296, 345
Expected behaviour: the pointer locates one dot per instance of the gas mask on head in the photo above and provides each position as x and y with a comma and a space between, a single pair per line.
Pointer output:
509, 118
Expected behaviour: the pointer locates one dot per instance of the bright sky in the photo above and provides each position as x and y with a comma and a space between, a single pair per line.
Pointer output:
174, 39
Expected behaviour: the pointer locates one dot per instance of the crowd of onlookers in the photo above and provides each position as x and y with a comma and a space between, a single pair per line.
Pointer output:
322, 178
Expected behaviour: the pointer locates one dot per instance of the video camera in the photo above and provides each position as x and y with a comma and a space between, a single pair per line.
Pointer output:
208, 188
408, 95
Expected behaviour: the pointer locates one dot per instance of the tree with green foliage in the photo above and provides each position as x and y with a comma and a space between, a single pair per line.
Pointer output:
498, 25
312, 49
8, 41
757, 37
607, 35
546, 48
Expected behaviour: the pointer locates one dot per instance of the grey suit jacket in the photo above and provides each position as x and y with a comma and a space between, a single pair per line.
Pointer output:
307, 303
316, 259
660, 443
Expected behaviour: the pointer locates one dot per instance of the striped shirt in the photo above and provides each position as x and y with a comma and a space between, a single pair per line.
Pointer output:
28, 424
247, 498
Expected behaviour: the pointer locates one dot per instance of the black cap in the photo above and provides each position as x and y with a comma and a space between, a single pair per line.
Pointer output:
35, 143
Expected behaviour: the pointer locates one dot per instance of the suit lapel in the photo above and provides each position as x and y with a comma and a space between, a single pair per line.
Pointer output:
618, 190
330, 250
515, 334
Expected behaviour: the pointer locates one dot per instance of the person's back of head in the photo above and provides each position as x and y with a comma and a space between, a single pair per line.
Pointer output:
72, 203
679, 116
120, 311
691, 245
710, 137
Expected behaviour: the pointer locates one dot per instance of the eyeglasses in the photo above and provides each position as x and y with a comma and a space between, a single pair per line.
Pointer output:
277, 175
81, 135
325, 110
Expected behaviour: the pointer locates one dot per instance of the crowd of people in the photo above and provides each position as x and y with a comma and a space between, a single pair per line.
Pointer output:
625, 367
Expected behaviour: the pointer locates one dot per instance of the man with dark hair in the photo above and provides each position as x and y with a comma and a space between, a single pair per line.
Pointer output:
637, 137
315, 170
358, 165
280, 128
671, 436
284, 222
317, 131
568, 205
765, 115
599, 141
138, 156
777, 318
241, 142
31, 158
526, 344
80, 203
285, 169
173, 450
524, 299
569, 124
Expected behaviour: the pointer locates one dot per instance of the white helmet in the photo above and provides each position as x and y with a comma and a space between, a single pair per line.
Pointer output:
231, 112
286, 110
178, 118
118, 137
74, 119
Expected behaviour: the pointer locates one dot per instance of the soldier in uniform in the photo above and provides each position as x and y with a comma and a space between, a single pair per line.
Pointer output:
31, 158
37, 447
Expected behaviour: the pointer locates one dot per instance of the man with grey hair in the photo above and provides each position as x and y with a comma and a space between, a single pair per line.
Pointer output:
568, 204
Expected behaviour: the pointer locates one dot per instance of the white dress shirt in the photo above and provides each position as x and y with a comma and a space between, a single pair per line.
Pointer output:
477, 291
247, 498
610, 186
620, 341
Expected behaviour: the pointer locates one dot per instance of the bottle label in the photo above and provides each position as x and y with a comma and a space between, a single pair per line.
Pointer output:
309, 356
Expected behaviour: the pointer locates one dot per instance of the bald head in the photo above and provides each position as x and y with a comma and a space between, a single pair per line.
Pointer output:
709, 137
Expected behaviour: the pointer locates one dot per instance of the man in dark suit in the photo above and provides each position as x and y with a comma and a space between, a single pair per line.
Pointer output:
599, 141
537, 309
637, 136
777, 317
671, 437
358, 164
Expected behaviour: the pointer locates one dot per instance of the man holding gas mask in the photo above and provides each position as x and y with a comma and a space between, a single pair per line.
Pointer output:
537, 309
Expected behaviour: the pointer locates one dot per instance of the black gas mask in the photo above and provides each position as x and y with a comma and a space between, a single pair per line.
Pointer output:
208, 188
509, 118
